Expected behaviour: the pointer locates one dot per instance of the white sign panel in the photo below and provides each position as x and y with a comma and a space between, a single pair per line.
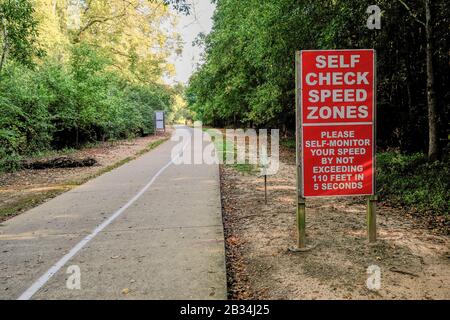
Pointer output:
159, 117
160, 125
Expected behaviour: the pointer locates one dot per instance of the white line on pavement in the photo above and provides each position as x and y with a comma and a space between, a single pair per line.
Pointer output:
58, 265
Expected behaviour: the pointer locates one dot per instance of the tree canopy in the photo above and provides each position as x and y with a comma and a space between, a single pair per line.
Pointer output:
18, 32
80, 71
247, 78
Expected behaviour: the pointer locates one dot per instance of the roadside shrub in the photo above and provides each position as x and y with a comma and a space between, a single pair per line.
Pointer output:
60, 88
413, 181
24, 121
147, 99
56, 105
9, 161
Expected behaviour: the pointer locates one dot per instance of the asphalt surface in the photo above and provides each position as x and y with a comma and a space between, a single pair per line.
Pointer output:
147, 230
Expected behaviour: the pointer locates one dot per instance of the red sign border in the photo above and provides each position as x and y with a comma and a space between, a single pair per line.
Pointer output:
374, 124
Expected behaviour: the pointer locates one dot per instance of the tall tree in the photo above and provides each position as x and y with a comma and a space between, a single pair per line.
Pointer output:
433, 132
248, 72
52, 26
18, 34
131, 32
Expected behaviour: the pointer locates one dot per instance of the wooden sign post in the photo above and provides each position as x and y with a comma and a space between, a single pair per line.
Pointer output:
301, 202
264, 167
335, 129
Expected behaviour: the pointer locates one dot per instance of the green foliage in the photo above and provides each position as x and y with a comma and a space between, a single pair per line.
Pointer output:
289, 143
59, 106
146, 99
412, 181
25, 120
18, 32
248, 75
93, 89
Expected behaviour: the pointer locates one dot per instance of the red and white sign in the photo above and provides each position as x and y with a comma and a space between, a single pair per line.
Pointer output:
337, 122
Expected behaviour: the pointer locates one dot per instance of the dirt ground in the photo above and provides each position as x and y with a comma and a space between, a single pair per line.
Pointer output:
414, 261
24, 189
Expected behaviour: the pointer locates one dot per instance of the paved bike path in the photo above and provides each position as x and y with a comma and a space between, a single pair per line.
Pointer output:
147, 230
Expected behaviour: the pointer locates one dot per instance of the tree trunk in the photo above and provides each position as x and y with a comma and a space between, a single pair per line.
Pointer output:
433, 136
54, 7
76, 137
5, 44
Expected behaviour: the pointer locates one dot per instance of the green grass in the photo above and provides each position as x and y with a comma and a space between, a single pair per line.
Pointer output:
246, 168
151, 146
27, 203
223, 146
288, 143
226, 147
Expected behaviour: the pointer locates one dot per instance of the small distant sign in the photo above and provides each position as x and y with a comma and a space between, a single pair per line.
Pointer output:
160, 120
